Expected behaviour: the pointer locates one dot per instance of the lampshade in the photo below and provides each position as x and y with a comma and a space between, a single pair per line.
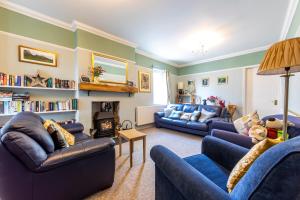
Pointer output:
180, 85
280, 56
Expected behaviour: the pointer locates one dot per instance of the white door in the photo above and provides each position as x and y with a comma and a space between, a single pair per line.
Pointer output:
263, 93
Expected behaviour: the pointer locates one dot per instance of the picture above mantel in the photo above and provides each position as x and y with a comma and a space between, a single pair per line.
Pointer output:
107, 88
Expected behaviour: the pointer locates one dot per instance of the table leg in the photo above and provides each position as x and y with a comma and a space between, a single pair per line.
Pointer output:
144, 149
120, 146
131, 150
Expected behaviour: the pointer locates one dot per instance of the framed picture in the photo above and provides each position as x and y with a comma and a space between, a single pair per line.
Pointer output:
205, 82
144, 81
222, 80
37, 56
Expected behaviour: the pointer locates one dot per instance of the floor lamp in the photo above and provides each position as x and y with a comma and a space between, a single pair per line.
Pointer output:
283, 58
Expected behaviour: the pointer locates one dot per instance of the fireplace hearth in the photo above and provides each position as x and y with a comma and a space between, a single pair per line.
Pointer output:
105, 118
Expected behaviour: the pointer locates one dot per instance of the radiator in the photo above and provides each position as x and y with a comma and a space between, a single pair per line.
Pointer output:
145, 114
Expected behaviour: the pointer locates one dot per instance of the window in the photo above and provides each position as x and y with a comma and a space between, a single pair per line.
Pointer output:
160, 91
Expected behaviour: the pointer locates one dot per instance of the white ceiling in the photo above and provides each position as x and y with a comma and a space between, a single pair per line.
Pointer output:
160, 27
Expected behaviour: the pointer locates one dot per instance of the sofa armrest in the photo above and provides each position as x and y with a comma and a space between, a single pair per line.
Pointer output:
232, 137
159, 114
73, 127
224, 153
190, 183
222, 125
80, 151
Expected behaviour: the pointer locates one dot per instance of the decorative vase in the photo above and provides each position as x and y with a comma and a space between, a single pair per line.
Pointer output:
97, 79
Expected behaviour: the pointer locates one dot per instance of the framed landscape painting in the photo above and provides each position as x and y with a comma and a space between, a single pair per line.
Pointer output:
222, 80
37, 56
144, 81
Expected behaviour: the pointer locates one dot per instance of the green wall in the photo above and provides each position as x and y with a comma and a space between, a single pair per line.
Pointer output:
150, 63
23, 25
234, 62
19, 24
295, 23
94, 42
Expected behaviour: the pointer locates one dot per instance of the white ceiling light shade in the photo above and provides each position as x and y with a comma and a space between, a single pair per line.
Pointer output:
202, 41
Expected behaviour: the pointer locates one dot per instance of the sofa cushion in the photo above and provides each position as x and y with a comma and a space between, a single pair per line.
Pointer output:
210, 108
195, 115
205, 115
24, 148
32, 125
210, 169
168, 111
175, 114
245, 163
186, 116
68, 136
197, 126
189, 108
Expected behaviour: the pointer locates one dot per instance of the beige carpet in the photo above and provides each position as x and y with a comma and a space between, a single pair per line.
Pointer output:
138, 182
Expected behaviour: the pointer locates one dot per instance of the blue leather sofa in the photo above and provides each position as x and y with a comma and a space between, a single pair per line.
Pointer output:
274, 175
197, 128
227, 131
30, 167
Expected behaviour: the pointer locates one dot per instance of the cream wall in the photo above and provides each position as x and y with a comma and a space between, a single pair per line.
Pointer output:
65, 70
127, 104
71, 64
231, 92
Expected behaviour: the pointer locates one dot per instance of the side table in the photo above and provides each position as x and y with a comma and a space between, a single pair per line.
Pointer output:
131, 136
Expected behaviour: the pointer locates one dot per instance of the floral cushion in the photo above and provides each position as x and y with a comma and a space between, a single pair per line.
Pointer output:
243, 124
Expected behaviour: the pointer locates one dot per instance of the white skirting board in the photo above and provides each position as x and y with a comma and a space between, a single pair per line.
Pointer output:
145, 114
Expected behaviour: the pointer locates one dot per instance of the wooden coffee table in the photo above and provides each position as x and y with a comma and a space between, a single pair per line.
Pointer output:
132, 135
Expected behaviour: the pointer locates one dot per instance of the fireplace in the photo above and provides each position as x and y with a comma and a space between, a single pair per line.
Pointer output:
105, 118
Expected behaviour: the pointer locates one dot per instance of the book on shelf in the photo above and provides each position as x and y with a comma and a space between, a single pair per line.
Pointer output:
27, 80
11, 107
10, 80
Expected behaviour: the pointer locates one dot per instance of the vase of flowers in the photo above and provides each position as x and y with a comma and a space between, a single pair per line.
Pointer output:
215, 101
96, 73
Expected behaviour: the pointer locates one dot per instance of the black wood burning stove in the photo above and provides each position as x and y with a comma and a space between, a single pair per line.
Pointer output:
104, 124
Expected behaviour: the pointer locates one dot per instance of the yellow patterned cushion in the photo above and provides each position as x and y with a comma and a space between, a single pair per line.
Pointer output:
245, 163
68, 136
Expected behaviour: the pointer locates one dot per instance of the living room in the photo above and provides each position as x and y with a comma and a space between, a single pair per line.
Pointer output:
131, 100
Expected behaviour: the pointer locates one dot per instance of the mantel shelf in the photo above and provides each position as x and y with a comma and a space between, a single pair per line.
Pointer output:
107, 88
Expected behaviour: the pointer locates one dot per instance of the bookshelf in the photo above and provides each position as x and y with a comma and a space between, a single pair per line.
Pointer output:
35, 88
47, 112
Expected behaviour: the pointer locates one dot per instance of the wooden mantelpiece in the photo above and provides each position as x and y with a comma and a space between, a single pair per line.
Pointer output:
107, 88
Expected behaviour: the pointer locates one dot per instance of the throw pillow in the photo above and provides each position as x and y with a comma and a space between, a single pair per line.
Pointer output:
245, 163
205, 115
176, 114
68, 136
57, 137
168, 111
186, 116
195, 115
243, 124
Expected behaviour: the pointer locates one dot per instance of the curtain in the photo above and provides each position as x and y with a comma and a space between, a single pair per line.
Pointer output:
168, 86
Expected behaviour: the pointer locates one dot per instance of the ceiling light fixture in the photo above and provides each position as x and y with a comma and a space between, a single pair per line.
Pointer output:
200, 42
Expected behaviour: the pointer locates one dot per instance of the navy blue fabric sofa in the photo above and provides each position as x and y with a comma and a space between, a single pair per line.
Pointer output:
197, 128
274, 175
31, 168
227, 131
